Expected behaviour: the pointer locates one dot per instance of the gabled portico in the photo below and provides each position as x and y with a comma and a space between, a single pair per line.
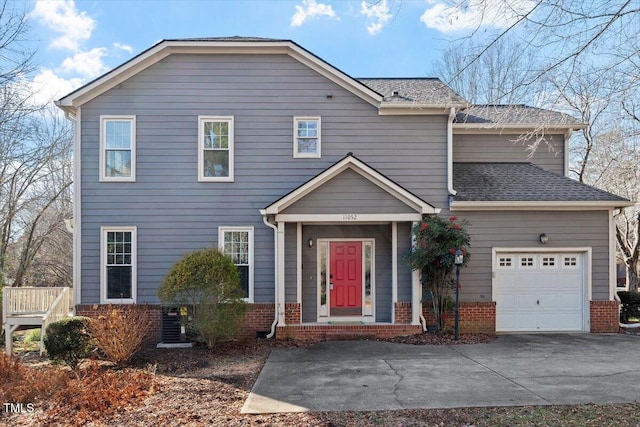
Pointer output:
340, 239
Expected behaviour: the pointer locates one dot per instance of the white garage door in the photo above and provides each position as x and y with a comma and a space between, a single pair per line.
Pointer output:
538, 292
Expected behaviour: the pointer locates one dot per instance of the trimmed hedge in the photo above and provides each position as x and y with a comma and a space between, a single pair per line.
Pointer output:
67, 340
630, 305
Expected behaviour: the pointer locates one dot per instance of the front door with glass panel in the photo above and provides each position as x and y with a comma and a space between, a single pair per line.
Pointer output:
346, 279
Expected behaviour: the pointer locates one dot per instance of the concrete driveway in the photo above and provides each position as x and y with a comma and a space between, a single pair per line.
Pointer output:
514, 370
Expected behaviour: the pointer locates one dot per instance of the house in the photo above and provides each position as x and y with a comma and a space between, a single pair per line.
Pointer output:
311, 180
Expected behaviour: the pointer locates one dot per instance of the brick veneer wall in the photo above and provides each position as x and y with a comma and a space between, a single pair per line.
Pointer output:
153, 312
326, 332
258, 319
403, 312
478, 317
292, 313
475, 317
605, 316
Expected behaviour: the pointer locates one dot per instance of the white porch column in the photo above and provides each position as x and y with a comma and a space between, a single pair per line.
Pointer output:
394, 269
299, 264
280, 274
416, 295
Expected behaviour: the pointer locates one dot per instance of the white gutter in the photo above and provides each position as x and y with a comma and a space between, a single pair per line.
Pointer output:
452, 115
275, 271
538, 205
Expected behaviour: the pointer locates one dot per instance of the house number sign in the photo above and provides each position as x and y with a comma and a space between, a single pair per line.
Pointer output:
349, 217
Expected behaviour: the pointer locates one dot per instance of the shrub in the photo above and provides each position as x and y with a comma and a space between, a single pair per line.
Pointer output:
21, 384
630, 305
433, 254
120, 333
67, 340
33, 336
209, 283
98, 394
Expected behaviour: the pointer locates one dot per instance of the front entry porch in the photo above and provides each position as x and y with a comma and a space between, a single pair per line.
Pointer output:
340, 243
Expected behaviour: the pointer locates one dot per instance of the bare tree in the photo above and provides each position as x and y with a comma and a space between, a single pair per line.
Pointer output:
605, 153
496, 77
566, 34
35, 153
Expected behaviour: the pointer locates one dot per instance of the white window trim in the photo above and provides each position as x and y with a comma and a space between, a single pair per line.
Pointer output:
224, 229
103, 264
103, 147
298, 155
201, 121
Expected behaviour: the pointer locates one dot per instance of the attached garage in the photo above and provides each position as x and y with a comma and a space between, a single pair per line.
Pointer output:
541, 291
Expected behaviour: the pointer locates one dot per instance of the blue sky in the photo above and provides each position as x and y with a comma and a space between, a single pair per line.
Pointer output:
79, 40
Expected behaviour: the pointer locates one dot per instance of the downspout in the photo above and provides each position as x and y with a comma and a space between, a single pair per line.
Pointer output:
275, 271
423, 321
452, 115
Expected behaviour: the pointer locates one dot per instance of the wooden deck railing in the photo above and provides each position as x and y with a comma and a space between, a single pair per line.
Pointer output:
48, 304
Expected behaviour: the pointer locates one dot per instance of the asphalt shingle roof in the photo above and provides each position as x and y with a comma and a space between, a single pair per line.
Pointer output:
420, 90
510, 114
520, 182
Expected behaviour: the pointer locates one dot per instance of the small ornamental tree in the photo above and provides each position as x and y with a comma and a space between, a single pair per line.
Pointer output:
433, 254
208, 282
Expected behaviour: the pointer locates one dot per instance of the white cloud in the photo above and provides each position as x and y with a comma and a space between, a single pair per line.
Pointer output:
124, 47
475, 13
309, 10
378, 15
87, 64
47, 86
62, 17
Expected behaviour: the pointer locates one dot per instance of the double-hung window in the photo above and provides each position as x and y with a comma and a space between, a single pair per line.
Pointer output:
118, 264
306, 137
118, 148
215, 148
237, 242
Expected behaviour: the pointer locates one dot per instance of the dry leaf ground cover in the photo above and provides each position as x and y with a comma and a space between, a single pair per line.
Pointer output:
200, 387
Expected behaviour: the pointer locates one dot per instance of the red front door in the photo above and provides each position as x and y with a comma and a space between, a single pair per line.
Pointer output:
346, 278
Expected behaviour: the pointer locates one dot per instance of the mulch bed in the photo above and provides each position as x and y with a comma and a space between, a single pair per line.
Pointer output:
443, 338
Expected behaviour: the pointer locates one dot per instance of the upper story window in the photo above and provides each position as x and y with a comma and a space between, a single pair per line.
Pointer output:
306, 138
118, 148
118, 264
215, 148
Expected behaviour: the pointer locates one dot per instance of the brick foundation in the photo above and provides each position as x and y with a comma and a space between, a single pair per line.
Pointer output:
403, 313
605, 316
153, 312
292, 313
334, 332
478, 317
258, 319
475, 317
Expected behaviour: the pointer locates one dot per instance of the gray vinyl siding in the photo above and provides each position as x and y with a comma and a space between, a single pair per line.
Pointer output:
382, 248
176, 214
404, 272
521, 229
348, 192
504, 148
